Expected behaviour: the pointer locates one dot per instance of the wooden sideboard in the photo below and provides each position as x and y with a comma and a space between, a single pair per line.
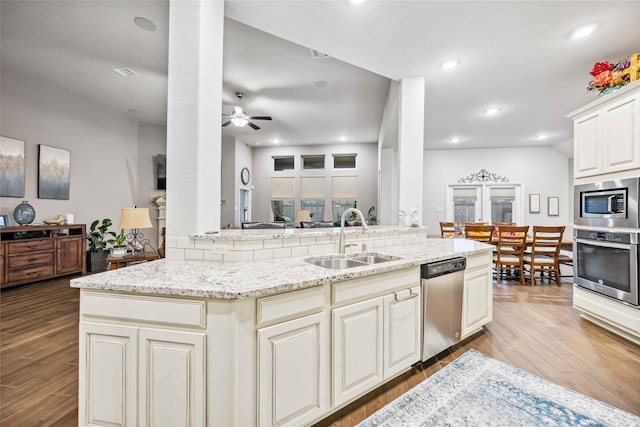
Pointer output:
37, 252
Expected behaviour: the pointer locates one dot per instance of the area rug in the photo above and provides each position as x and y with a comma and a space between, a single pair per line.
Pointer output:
477, 390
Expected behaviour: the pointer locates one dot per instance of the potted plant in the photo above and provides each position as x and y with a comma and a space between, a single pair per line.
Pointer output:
98, 238
119, 248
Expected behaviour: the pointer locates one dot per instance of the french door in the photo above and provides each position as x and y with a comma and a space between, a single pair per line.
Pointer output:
489, 203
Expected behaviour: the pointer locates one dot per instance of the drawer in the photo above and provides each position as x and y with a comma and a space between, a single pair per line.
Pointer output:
30, 273
289, 305
376, 285
142, 308
27, 246
479, 261
27, 260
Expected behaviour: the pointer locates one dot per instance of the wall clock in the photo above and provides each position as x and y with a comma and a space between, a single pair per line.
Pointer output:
244, 176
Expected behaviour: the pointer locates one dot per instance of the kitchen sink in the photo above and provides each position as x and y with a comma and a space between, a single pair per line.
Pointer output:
350, 261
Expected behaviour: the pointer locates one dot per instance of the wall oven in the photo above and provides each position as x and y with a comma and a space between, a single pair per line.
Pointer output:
607, 203
607, 263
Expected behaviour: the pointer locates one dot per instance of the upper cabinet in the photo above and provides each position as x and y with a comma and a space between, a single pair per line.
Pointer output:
607, 134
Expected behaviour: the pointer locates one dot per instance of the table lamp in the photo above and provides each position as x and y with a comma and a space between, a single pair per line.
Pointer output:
134, 219
302, 215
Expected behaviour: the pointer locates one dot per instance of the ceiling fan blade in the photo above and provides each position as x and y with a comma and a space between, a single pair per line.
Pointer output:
254, 127
226, 123
260, 117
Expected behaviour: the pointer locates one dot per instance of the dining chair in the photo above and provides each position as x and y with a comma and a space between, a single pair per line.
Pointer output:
447, 229
316, 224
255, 225
480, 233
512, 241
545, 251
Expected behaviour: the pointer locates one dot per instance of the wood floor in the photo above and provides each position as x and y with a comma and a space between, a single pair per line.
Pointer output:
534, 328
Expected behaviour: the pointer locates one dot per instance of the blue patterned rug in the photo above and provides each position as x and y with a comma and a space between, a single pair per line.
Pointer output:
476, 390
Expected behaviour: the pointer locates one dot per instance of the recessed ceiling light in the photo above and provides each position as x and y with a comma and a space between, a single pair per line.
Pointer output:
455, 140
144, 23
124, 71
257, 143
321, 84
357, 1
541, 136
450, 64
343, 138
492, 111
276, 141
583, 31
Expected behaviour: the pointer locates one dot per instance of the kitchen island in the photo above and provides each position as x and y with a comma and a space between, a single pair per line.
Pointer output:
275, 342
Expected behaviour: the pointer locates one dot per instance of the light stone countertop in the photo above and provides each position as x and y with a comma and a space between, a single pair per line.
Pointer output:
290, 233
233, 280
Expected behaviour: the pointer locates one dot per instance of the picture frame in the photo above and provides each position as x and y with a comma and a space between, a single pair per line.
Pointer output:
553, 206
54, 172
534, 203
4, 220
12, 170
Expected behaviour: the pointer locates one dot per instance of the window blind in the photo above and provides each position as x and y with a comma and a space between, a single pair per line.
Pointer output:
312, 188
344, 188
282, 188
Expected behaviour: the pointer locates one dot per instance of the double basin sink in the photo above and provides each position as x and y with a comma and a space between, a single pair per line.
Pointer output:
340, 262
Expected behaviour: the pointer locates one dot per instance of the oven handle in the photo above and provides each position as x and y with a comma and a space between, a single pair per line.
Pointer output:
605, 244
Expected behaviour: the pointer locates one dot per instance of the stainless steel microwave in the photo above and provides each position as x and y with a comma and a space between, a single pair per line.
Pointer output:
607, 203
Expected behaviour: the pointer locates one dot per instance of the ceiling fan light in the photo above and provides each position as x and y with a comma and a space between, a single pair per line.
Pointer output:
239, 121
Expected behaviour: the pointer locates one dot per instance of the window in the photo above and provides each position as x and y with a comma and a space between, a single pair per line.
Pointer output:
344, 161
502, 200
313, 162
339, 206
282, 210
464, 204
315, 207
284, 163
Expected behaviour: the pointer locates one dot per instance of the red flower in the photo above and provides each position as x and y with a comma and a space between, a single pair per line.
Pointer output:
599, 67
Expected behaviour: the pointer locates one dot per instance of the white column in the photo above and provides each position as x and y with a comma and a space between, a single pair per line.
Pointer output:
193, 117
410, 145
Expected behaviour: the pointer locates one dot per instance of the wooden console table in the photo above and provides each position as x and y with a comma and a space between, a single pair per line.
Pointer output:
36, 252
114, 262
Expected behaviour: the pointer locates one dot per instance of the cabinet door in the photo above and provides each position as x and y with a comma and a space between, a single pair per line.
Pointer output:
401, 330
108, 363
293, 371
357, 349
2, 264
587, 134
69, 255
477, 307
621, 135
172, 378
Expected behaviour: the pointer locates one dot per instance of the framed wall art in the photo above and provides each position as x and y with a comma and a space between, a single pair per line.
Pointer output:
12, 167
553, 206
54, 172
534, 203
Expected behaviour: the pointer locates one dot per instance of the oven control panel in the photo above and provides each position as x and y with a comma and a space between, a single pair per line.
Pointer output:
604, 236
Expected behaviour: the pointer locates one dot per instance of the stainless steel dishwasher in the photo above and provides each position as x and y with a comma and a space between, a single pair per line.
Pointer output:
442, 286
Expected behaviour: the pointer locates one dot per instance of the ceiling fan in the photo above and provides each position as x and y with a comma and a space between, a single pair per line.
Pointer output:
240, 119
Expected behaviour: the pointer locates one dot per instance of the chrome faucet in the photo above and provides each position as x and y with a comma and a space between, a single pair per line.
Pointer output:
344, 215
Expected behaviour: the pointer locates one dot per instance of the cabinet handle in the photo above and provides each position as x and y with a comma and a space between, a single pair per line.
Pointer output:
32, 259
408, 297
31, 273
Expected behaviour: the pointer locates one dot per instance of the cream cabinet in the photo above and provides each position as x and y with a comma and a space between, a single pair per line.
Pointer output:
140, 367
357, 349
477, 304
607, 134
377, 338
293, 371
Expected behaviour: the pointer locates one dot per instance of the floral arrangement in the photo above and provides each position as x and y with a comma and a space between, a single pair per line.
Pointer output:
607, 75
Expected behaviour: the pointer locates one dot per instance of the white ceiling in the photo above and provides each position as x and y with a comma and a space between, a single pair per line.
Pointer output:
514, 54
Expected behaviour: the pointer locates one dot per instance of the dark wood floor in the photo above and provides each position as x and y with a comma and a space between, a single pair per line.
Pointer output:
534, 328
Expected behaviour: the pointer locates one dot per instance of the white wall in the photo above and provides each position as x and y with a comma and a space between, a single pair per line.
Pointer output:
243, 159
111, 154
366, 169
541, 170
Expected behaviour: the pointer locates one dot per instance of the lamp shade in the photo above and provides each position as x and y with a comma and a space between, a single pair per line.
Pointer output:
302, 215
135, 218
